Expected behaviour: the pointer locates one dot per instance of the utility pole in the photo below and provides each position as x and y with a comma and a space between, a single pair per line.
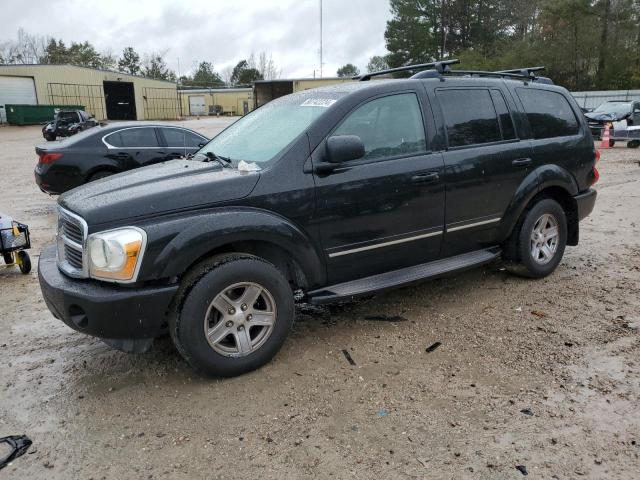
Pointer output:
320, 38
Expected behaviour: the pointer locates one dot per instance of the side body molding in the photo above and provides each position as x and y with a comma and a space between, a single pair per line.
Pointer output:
186, 240
546, 176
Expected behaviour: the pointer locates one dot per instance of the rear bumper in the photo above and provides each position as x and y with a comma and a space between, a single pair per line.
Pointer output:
103, 310
585, 203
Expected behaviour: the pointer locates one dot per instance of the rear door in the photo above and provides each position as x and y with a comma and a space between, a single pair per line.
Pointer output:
178, 142
135, 147
384, 211
485, 162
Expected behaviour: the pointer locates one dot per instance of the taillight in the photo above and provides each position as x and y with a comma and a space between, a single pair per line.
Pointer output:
594, 171
48, 158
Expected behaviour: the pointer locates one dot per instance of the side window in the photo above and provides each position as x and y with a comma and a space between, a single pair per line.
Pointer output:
194, 140
133, 137
470, 117
506, 122
549, 113
175, 137
388, 126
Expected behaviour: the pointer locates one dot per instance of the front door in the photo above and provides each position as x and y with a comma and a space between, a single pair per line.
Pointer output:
484, 165
384, 211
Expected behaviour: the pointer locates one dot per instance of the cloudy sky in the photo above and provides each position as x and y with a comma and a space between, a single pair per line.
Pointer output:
220, 31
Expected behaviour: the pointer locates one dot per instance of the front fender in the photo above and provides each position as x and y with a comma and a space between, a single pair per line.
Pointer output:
546, 176
178, 243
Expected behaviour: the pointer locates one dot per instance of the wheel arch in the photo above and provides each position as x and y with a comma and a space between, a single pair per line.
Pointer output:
240, 230
548, 181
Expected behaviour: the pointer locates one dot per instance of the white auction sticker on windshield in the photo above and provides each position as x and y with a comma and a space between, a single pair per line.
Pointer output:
318, 102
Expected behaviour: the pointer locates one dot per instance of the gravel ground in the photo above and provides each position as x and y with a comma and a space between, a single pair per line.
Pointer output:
540, 375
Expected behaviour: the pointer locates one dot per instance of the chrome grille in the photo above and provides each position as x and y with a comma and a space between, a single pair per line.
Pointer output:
72, 234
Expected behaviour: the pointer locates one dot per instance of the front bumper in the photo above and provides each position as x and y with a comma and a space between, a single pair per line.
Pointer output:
103, 310
585, 203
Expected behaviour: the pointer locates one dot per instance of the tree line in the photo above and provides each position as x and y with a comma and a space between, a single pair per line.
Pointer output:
33, 49
585, 44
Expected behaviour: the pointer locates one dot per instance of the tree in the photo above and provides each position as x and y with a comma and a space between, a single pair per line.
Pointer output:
244, 74
348, 70
56, 53
129, 62
377, 63
154, 66
205, 75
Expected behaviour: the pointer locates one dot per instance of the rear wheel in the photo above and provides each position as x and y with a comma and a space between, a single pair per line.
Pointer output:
8, 258
633, 144
236, 313
537, 243
49, 137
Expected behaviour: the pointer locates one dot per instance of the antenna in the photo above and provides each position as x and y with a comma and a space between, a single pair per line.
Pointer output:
320, 38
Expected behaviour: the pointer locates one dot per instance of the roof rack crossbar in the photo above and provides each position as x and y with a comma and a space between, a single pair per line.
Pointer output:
441, 66
525, 72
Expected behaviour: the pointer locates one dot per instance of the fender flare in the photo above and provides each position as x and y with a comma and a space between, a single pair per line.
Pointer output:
543, 177
197, 236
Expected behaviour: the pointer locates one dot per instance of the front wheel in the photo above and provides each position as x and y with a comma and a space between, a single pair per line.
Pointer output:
633, 144
24, 262
537, 244
236, 313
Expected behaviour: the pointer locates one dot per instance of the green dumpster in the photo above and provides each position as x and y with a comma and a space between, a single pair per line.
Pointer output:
34, 114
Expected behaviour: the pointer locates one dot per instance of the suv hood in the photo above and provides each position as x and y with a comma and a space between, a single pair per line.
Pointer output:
161, 188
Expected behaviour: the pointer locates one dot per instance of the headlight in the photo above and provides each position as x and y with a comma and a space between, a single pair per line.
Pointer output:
116, 255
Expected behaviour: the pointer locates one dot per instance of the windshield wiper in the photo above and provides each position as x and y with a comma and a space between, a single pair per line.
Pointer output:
224, 161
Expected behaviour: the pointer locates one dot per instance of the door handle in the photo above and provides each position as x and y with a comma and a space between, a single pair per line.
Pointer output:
425, 177
521, 162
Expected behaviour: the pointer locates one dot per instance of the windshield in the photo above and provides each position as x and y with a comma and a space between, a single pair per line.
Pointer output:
618, 109
265, 132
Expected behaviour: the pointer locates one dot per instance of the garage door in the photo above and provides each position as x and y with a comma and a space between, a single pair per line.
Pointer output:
197, 105
16, 90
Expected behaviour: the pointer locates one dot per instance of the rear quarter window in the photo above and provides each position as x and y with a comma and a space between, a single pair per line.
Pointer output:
549, 113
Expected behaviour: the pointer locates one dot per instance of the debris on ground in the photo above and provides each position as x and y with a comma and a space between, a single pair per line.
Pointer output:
348, 357
527, 411
383, 412
522, 469
432, 348
538, 313
18, 444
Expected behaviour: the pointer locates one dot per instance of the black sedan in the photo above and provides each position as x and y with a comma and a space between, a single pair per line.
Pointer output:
104, 150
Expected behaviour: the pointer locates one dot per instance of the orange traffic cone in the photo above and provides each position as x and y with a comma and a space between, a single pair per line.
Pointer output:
606, 137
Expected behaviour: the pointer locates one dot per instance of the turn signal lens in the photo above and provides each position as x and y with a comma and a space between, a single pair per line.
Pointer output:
48, 158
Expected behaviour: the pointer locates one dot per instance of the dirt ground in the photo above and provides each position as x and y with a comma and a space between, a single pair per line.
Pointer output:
538, 374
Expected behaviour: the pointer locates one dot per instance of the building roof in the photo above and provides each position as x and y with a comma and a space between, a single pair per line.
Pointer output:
214, 90
304, 79
18, 65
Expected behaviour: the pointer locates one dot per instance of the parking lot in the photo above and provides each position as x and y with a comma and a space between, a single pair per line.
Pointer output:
542, 375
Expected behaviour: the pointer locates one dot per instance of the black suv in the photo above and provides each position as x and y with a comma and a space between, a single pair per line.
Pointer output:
321, 196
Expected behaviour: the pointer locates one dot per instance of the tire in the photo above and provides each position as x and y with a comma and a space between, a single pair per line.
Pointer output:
633, 144
24, 261
50, 138
520, 249
249, 342
612, 143
8, 258
99, 174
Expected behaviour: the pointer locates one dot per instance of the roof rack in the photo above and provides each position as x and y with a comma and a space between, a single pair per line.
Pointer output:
439, 67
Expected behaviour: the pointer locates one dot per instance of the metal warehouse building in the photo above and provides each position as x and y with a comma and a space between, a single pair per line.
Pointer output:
105, 94
266, 90
210, 101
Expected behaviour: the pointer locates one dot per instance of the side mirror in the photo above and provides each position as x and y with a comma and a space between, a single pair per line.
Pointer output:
342, 148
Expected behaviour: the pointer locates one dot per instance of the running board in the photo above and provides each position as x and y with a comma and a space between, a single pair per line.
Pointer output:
404, 276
